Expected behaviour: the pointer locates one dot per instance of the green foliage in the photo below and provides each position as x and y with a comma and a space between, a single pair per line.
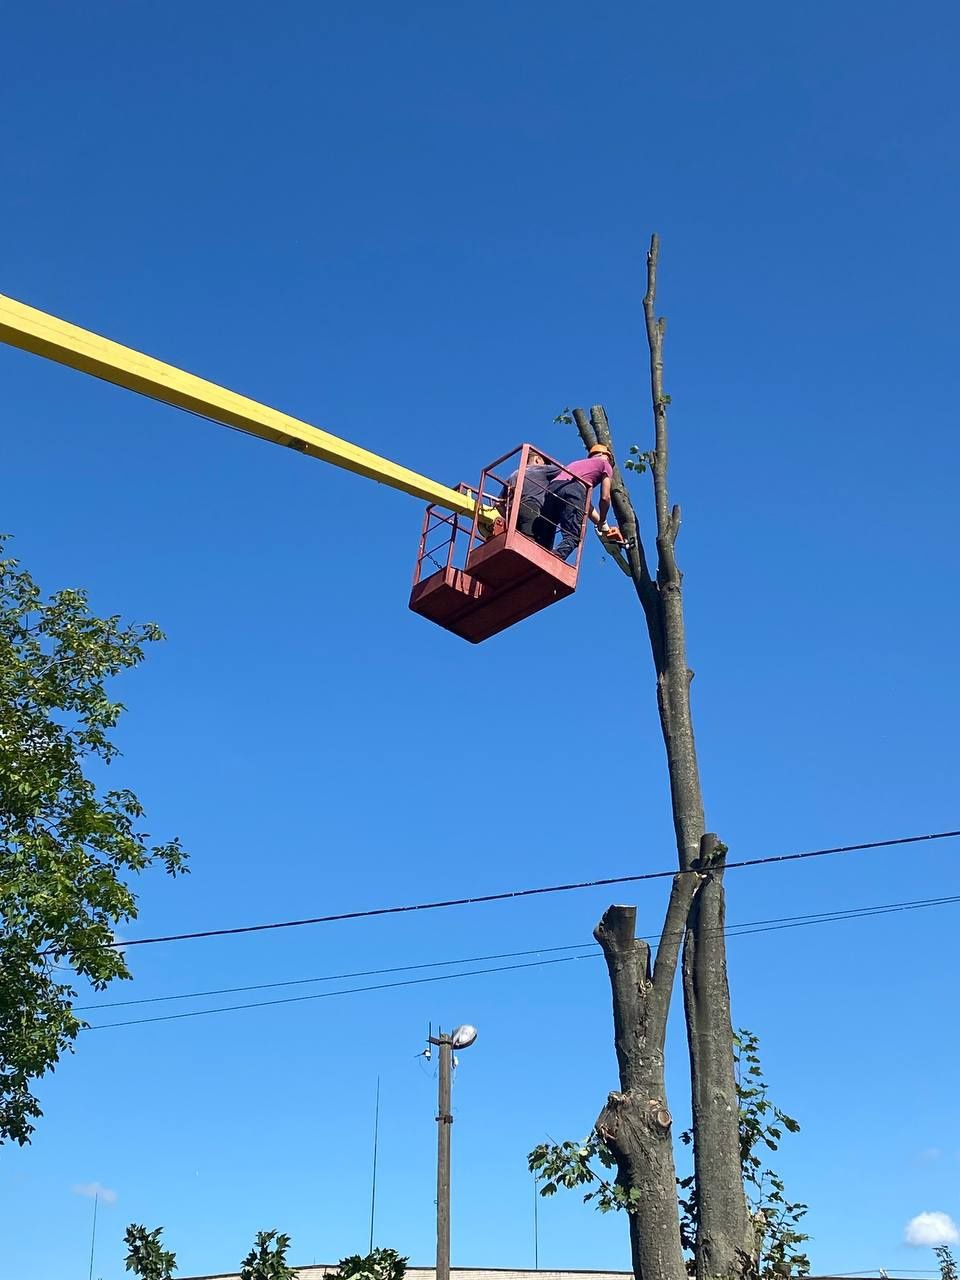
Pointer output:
146, 1257
381, 1264
267, 1260
264, 1262
946, 1262
639, 461
762, 1124
570, 1164
64, 844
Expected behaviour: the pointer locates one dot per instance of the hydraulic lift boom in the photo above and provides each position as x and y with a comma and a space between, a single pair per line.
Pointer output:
44, 335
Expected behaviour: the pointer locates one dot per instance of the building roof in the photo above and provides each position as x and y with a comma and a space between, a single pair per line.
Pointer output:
318, 1270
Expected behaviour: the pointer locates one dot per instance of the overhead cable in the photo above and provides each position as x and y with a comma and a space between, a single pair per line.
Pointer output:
743, 930
347, 991
520, 893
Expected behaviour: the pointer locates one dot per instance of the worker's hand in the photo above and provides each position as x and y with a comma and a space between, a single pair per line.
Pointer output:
610, 533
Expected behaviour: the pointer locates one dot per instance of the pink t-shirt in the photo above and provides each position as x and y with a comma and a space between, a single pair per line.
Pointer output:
592, 470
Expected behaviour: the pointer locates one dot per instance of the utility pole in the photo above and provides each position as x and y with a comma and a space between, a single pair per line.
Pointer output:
461, 1038
444, 1121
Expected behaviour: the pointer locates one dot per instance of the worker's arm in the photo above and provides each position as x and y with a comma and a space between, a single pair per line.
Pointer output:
598, 514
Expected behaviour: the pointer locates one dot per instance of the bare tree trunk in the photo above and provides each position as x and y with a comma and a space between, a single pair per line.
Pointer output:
636, 1122
725, 1241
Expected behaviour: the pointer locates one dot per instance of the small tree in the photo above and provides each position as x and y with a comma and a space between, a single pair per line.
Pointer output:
946, 1262
762, 1124
267, 1260
146, 1257
65, 845
381, 1264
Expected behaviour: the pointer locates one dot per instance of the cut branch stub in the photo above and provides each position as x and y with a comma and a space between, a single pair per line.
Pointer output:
659, 1114
625, 1114
617, 930
636, 1127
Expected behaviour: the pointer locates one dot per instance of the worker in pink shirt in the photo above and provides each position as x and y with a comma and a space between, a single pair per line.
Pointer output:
566, 499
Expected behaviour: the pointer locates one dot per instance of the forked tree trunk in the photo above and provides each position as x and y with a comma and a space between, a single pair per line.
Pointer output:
725, 1241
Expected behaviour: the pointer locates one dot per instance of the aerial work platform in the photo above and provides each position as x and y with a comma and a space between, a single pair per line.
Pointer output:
487, 574
477, 572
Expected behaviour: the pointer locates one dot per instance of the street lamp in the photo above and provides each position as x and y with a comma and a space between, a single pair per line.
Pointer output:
460, 1038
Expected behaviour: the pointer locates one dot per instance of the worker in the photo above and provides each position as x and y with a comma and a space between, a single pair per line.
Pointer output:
536, 479
564, 503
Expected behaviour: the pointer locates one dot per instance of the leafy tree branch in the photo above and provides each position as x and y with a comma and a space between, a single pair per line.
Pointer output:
762, 1126
67, 846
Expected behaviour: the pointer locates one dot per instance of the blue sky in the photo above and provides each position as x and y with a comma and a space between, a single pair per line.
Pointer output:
423, 227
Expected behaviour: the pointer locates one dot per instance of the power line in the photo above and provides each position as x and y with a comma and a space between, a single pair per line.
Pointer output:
826, 917
521, 893
348, 991
743, 929
330, 977
750, 927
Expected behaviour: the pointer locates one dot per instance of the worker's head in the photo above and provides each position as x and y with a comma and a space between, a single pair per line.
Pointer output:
535, 459
604, 450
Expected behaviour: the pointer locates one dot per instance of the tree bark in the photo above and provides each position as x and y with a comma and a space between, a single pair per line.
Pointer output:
636, 1123
725, 1241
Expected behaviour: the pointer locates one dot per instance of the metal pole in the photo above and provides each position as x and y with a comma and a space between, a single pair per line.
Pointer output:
373, 1188
536, 1224
444, 1121
93, 1234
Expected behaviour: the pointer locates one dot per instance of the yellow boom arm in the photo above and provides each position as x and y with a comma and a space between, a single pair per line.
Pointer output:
44, 335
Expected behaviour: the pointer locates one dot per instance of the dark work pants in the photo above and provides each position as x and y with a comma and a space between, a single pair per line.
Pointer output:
563, 509
529, 514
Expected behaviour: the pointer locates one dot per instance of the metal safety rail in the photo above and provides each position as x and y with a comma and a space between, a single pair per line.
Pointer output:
444, 539
479, 584
509, 481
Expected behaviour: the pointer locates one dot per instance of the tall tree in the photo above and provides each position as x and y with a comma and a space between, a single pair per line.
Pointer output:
635, 1123
67, 846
